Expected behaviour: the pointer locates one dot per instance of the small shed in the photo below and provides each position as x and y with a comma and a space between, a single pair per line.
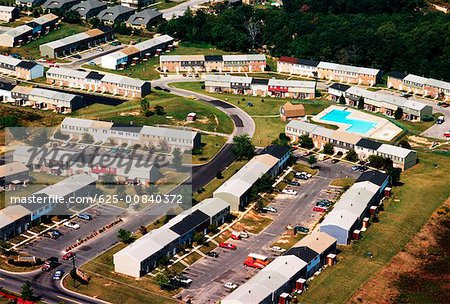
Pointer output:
191, 116
291, 111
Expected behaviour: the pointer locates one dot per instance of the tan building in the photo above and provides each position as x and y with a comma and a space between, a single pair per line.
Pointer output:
290, 111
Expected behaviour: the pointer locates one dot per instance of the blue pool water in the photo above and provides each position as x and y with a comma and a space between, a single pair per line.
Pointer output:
356, 125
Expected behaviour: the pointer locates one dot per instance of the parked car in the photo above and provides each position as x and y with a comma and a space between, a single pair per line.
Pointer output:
76, 56
306, 173
85, 216
440, 120
68, 256
212, 254
58, 275
335, 161
277, 249
289, 192
92, 63
270, 209
355, 168
244, 234
230, 285
182, 281
324, 203
228, 246
301, 229
294, 183
72, 225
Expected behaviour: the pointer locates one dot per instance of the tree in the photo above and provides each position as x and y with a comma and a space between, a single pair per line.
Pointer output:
125, 236
72, 17
306, 141
342, 100
162, 280
361, 103
352, 156
27, 292
328, 149
398, 114
394, 174
242, 147
199, 238
404, 144
376, 161
282, 140
264, 184
312, 160
143, 230
87, 138
159, 110
145, 107
39, 138
177, 160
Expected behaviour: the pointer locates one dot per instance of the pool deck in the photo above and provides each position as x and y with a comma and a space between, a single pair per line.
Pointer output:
384, 130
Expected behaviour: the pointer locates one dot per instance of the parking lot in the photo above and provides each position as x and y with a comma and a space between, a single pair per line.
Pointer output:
210, 274
45, 247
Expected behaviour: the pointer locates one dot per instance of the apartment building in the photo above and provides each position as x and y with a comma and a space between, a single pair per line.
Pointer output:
136, 3
330, 71
145, 19
81, 41
29, 3
90, 8
9, 13
115, 14
12, 175
344, 141
135, 54
14, 220
63, 5
6, 87
387, 104
260, 87
427, 87
142, 256
43, 99
131, 135
18, 68
212, 63
98, 83
22, 34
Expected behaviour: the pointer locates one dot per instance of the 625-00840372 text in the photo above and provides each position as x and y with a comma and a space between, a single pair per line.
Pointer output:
140, 199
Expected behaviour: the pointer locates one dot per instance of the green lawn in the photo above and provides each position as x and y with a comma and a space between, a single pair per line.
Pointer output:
342, 182
31, 50
425, 188
147, 69
208, 117
211, 144
162, 4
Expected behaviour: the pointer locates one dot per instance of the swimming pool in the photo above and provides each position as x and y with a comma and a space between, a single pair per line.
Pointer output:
356, 125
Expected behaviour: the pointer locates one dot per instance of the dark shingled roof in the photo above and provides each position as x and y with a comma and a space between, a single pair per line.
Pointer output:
126, 128
276, 151
190, 222
263, 81
213, 58
95, 75
376, 177
368, 144
304, 253
340, 86
27, 64
299, 61
396, 74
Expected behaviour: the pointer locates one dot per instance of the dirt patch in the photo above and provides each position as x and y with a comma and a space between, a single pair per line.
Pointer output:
418, 141
418, 274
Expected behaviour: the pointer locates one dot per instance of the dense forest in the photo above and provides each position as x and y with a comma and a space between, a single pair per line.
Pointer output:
388, 34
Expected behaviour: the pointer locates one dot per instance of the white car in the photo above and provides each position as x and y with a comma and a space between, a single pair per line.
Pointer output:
277, 249
230, 285
289, 191
307, 174
244, 234
72, 225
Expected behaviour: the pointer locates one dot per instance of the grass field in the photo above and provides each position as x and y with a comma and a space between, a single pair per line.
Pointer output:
423, 191
176, 109
211, 144
147, 69
31, 50
343, 182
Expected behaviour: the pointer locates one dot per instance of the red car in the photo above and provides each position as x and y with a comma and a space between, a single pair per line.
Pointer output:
228, 246
68, 256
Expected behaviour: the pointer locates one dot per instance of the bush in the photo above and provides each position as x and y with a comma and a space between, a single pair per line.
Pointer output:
428, 118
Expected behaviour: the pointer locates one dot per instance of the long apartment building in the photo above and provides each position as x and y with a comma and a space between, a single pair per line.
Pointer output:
427, 87
9, 13
22, 34
103, 131
352, 211
328, 70
44, 99
260, 87
387, 104
136, 53
21, 69
212, 63
344, 141
98, 83
81, 41
142, 256
286, 274
237, 190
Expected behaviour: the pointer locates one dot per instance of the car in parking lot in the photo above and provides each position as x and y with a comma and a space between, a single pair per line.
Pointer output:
335, 161
212, 254
68, 256
230, 286
324, 203
301, 229
85, 216
244, 234
269, 209
58, 275
289, 191
277, 249
359, 168
76, 56
301, 176
181, 281
294, 183
72, 225
227, 246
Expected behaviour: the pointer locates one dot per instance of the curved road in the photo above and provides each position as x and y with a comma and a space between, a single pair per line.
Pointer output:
50, 291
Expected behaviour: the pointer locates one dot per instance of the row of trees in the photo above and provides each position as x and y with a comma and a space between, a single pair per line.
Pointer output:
404, 39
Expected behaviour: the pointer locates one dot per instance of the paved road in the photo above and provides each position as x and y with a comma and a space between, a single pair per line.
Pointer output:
209, 274
179, 9
437, 131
